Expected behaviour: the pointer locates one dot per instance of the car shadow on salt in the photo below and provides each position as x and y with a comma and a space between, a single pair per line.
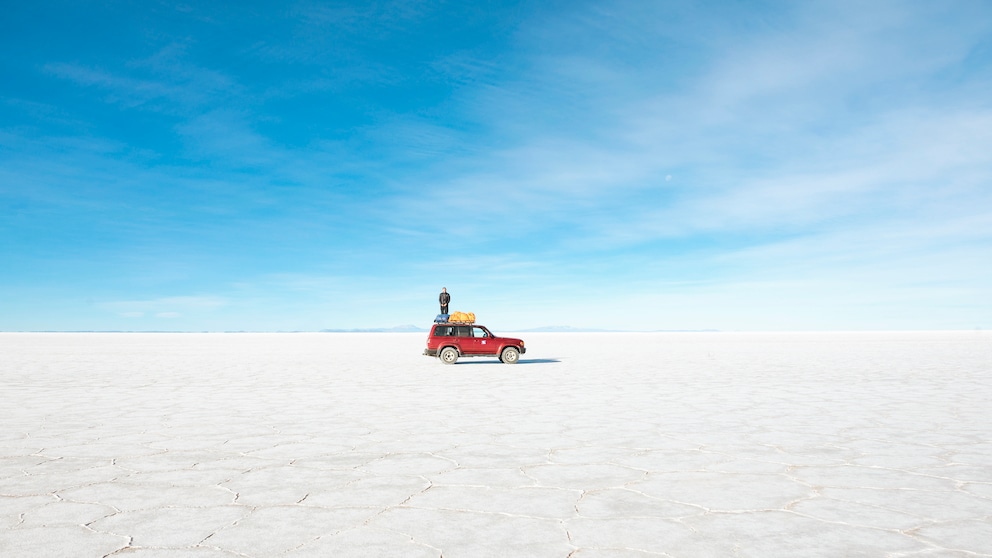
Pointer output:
521, 361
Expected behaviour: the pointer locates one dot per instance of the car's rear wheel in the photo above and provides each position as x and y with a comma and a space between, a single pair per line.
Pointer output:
448, 355
509, 356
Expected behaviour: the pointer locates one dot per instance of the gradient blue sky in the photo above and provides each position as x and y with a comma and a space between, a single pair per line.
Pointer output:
730, 165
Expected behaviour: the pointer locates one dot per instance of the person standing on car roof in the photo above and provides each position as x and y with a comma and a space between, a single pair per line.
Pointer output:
444, 299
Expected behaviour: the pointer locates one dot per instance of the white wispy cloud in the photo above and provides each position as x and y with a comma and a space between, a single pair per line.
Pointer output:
774, 100
160, 83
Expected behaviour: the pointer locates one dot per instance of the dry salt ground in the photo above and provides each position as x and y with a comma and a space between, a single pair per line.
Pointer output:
593, 446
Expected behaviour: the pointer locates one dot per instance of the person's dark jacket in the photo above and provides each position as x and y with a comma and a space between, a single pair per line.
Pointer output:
444, 299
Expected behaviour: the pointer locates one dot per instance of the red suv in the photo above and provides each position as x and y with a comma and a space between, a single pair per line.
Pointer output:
449, 341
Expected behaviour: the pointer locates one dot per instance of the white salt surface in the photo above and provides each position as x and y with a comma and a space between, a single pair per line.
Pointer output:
595, 445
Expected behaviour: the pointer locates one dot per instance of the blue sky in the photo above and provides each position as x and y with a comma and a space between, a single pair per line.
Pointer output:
612, 164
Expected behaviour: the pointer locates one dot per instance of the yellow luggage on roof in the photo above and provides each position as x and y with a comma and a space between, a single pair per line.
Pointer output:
462, 317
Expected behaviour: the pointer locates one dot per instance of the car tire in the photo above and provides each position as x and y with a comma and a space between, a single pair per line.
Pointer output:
448, 355
509, 356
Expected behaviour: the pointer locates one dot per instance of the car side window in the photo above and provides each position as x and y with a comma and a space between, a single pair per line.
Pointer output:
479, 332
443, 331
463, 331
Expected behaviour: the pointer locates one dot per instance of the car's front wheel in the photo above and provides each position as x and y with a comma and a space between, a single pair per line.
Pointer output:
449, 355
509, 356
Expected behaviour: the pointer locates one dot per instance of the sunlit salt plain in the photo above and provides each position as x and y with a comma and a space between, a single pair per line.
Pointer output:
594, 445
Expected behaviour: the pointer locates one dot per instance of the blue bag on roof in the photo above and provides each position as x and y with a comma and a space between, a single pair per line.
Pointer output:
441, 318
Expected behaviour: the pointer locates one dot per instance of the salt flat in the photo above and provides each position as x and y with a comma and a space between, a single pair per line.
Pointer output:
594, 446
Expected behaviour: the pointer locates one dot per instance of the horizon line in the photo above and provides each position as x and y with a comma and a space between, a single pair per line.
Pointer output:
554, 329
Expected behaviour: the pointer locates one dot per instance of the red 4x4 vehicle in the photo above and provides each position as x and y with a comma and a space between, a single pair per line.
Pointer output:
450, 341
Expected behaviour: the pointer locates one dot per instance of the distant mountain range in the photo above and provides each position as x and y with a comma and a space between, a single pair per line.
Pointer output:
564, 329
415, 329
544, 329
406, 329
394, 329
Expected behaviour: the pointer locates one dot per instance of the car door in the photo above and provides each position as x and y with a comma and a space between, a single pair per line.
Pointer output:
479, 341
463, 338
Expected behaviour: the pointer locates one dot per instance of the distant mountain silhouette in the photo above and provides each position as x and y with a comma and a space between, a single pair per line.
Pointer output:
394, 329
